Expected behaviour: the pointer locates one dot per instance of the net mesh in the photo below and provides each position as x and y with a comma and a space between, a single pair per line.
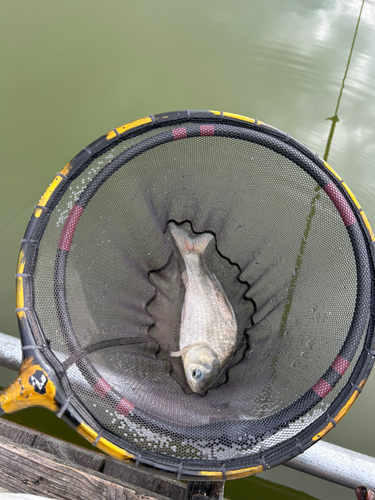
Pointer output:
283, 252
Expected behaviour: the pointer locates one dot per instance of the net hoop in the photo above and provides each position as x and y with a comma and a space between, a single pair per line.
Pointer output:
201, 124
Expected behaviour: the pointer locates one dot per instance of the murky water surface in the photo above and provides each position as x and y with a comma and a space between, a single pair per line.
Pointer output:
72, 71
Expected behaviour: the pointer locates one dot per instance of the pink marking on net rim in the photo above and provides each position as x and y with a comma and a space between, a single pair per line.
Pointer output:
102, 388
322, 388
124, 407
179, 133
69, 228
340, 365
341, 204
207, 130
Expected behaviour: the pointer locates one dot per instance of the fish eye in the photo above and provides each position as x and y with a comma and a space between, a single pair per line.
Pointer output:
197, 374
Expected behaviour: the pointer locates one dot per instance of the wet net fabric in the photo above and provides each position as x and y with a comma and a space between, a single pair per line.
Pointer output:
284, 253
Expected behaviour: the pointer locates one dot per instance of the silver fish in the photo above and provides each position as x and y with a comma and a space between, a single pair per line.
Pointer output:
208, 325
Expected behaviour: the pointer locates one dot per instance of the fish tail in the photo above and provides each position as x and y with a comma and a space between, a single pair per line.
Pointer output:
186, 244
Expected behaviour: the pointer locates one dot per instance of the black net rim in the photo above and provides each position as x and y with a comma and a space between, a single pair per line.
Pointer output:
202, 124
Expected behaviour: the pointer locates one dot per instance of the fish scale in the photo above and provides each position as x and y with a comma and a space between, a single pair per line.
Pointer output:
209, 308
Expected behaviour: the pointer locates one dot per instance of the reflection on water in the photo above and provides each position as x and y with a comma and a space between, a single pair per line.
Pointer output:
71, 76
335, 118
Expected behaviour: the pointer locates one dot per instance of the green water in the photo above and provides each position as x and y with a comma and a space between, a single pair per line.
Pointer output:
71, 71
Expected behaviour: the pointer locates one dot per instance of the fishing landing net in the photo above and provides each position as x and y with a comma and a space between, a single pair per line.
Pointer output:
100, 294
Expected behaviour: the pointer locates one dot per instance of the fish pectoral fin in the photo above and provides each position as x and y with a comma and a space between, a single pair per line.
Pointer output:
182, 352
201, 342
177, 354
